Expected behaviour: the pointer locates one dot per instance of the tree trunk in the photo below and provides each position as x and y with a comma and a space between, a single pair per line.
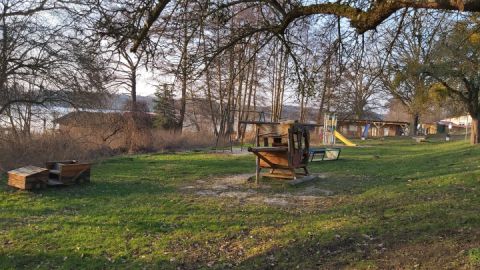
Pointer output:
183, 103
302, 106
474, 138
133, 89
210, 102
184, 78
208, 89
131, 118
414, 124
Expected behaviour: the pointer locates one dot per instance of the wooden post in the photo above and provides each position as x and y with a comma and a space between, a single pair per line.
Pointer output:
291, 146
257, 159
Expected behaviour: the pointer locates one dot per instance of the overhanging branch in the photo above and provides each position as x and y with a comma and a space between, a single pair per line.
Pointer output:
152, 17
361, 20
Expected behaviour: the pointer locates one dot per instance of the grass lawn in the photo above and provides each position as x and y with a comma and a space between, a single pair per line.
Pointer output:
394, 204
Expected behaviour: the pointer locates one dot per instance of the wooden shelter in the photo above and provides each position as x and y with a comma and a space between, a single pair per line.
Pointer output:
282, 148
29, 177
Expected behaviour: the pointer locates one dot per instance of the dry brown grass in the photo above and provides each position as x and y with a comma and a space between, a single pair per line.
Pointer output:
166, 141
37, 149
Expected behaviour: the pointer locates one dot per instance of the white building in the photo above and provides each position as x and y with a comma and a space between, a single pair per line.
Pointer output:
464, 120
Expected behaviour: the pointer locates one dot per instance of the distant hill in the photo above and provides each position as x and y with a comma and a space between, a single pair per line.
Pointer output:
289, 111
118, 101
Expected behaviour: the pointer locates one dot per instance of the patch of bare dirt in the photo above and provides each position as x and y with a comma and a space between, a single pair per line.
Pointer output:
315, 191
238, 187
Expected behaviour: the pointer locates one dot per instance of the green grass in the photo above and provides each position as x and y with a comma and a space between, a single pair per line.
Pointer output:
396, 204
474, 256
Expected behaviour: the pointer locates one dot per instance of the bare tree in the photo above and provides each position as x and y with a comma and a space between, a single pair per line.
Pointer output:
413, 46
360, 91
44, 63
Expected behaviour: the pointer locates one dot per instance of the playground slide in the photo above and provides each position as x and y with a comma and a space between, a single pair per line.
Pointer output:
342, 138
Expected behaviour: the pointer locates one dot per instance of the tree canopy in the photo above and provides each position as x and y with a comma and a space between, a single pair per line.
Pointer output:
363, 15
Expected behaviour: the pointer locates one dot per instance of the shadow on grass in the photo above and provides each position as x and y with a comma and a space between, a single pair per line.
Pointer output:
428, 238
74, 260
385, 215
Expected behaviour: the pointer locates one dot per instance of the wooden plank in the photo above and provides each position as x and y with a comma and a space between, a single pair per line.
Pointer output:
69, 179
18, 183
291, 147
278, 175
66, 168
264, 162
268, 149
27, 171
273, 159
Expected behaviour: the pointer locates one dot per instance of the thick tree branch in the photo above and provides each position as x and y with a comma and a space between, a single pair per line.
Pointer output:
152, 17
363, 21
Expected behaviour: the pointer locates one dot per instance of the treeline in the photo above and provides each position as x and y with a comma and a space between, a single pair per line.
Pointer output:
238, 56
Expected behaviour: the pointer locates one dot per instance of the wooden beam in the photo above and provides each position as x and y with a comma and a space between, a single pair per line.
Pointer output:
267, 149
265, 159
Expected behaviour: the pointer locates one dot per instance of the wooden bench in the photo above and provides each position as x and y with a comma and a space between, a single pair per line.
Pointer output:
67, 172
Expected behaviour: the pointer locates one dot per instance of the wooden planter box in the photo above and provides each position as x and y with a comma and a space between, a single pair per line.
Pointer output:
28, 178
68, 172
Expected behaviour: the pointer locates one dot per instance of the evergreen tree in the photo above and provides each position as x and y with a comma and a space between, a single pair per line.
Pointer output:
164, 108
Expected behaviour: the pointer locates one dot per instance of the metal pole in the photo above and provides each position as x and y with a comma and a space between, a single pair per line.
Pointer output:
334, 127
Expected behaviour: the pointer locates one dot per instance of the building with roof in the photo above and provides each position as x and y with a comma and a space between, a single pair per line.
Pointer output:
354, 128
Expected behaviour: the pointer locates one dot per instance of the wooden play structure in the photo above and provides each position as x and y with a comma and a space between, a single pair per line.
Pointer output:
68, 172
283, 149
